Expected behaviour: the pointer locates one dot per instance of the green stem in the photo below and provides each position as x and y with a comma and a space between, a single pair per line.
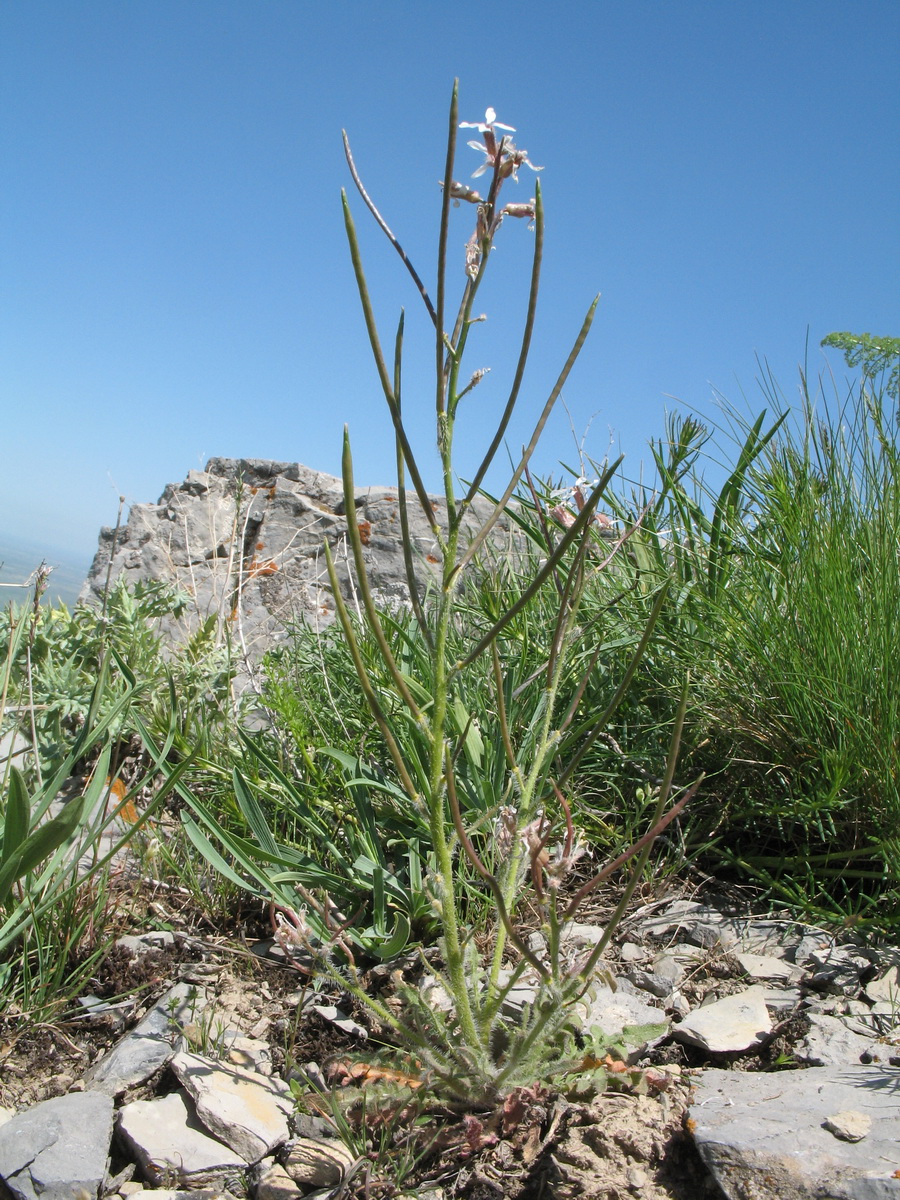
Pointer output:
381, 366
523, 351
442, 249
438, 819
485, 531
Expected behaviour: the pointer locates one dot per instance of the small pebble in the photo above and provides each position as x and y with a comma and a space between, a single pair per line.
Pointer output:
631, 952
849, 1126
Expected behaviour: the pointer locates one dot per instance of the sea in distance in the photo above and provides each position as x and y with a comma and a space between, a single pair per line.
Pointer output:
19, 558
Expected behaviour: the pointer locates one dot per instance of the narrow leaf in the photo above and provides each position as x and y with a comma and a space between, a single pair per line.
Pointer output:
18, 815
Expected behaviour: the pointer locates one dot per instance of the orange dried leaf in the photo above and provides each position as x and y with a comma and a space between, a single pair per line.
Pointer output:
117, 793
362, 1073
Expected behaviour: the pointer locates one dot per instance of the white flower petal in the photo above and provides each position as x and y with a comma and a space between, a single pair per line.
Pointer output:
489, 116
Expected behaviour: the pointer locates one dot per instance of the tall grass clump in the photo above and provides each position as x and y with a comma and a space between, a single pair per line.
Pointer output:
59, 819
804, 710
784, 599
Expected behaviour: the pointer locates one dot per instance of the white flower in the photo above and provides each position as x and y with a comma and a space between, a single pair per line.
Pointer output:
488, 161
489, 124
517, 158
490, 149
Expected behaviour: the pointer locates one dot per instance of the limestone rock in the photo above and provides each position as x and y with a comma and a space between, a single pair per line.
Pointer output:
667, 966
650, 981
767, 966
244, 540
829, 1042
274, 1183
58, 1149
341, 1020
153, 939
782, 1001
764, 1136
612, 1010
148, 1046
249, 1112
190, 1194
850, 1126
631, 953
316, 1163
769, 936
251, 1053
577, 933
736, 1023
886, 988
812, 945
167, 1138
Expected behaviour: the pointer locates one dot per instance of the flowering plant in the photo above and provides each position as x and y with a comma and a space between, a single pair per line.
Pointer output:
476, 1050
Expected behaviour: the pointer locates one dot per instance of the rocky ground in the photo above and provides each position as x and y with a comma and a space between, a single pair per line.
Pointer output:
214, 1066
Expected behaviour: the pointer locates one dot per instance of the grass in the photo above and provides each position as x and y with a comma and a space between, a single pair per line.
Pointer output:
805, 722
784, 591
781, 591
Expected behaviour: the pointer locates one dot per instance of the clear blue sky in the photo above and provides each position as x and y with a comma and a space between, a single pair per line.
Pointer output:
175, 281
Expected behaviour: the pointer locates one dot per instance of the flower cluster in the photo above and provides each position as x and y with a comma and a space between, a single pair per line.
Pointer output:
503, 159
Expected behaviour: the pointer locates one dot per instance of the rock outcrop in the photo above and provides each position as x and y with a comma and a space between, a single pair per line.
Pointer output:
244, 540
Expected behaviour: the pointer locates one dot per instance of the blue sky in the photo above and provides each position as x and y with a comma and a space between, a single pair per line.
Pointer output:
175, 279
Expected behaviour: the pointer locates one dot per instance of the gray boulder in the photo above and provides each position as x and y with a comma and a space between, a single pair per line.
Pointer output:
58, 1149
784, 1136
244, 540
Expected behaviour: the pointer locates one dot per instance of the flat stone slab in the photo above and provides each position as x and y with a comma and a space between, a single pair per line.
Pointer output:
247, 1111
57, 1147
735, 1023
886, 987
149, 1046
831, 1043
768, 966
612, 1010
168, 1138
765, 1136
